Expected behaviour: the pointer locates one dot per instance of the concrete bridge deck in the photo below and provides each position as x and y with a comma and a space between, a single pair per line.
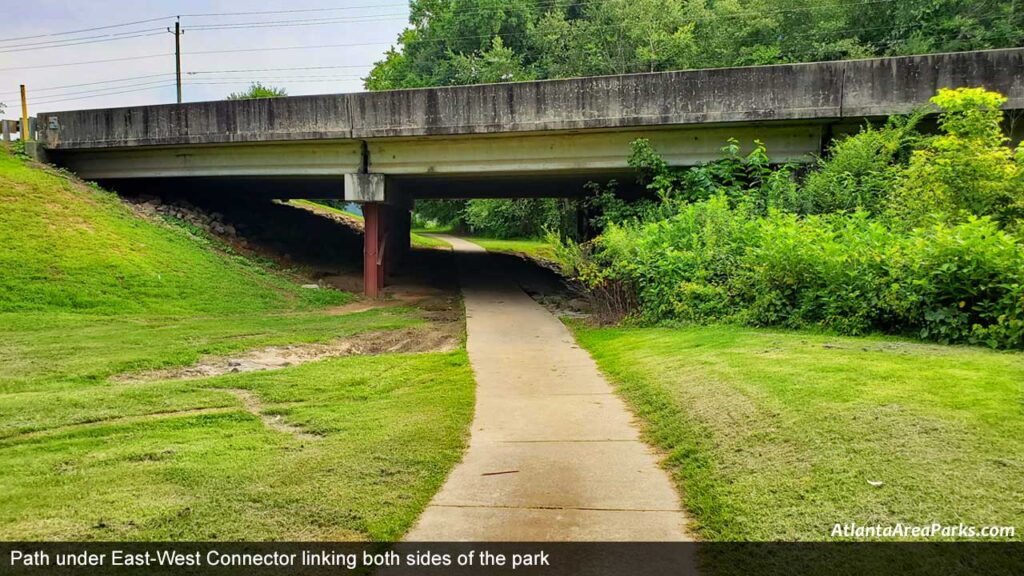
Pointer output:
542, 138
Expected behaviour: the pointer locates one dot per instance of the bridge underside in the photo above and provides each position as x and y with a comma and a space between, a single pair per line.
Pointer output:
387, 175
544, 138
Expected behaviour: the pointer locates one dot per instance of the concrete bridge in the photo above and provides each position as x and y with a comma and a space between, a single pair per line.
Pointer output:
544, 138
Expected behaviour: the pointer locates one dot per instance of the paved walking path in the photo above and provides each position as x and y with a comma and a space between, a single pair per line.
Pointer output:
554, 455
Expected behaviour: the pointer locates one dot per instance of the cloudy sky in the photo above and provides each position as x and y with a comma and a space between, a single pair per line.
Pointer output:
222, 53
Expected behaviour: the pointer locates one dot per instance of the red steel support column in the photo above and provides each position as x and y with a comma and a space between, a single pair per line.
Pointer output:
374, 247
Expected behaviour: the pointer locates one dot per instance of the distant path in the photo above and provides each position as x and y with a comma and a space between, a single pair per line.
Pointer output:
554, 454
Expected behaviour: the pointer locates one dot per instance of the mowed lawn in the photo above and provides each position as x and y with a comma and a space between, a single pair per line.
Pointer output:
780, 435
188, 461
534, 248
342, 449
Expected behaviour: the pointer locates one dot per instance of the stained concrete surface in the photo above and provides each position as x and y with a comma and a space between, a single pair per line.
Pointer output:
812, 91
554, 453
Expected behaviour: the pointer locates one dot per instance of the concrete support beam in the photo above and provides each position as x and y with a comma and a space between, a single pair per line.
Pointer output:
584, 152
365, 188
387, 229
316, 158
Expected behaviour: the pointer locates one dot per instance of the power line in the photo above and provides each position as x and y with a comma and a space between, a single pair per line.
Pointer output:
281, 48
72, 43
49, 88
57, 65
304, 22
293, 11
294, 79
97, 90
243, 70
65, 33
80, 38
54, 101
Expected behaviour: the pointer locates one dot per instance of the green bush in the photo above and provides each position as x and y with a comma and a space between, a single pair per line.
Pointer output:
892, 232
516, 218
500, 217
845, 272
967, 171
964, 282
860, 171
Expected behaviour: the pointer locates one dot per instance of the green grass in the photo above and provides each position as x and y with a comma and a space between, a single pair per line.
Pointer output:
775, 435
64, 246
389, 429
418, 241
89, 290
534, 248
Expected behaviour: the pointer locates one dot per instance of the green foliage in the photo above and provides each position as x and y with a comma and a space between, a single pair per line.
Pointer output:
890, 232
513, 218
500, 218
467, 41
964, 283
860, 171
257, 90
441, 213
846, 272
497, 63
812, 416
966, 171
750, 179
68, 247
613, 37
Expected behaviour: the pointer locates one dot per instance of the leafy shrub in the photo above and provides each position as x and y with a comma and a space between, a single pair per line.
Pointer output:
892, 232
516, 218
860, 171
964, 282
500, 218
846, 272
968, 170
445, 213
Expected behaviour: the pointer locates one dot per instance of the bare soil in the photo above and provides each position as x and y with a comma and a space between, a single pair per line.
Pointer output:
434, 338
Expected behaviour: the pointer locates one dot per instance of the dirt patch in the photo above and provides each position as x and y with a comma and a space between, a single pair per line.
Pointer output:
406, 340
253, 405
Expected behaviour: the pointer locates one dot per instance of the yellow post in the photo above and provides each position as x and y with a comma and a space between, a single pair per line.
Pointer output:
24, 116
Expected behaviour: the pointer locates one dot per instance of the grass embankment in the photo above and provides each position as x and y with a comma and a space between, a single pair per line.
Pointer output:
89, 290
417, 240
776, 435
535, 248
530, 247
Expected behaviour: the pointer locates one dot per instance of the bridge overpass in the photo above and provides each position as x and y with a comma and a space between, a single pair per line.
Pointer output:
545, 138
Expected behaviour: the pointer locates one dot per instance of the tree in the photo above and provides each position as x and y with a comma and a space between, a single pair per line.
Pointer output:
452, 42
258, 90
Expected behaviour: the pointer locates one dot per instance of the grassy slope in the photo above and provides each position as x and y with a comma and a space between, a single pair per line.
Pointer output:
533, 248
775, 435
66, 247
88, 290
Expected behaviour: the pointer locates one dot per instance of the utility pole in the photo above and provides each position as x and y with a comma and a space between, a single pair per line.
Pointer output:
25, 132
177, 54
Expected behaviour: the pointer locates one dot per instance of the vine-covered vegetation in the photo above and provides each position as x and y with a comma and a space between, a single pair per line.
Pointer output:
891, 231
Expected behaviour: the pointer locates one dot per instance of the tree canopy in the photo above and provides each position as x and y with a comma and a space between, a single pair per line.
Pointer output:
450, 42
258, 90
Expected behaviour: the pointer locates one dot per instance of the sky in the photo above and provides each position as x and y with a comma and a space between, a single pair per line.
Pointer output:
365, 29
